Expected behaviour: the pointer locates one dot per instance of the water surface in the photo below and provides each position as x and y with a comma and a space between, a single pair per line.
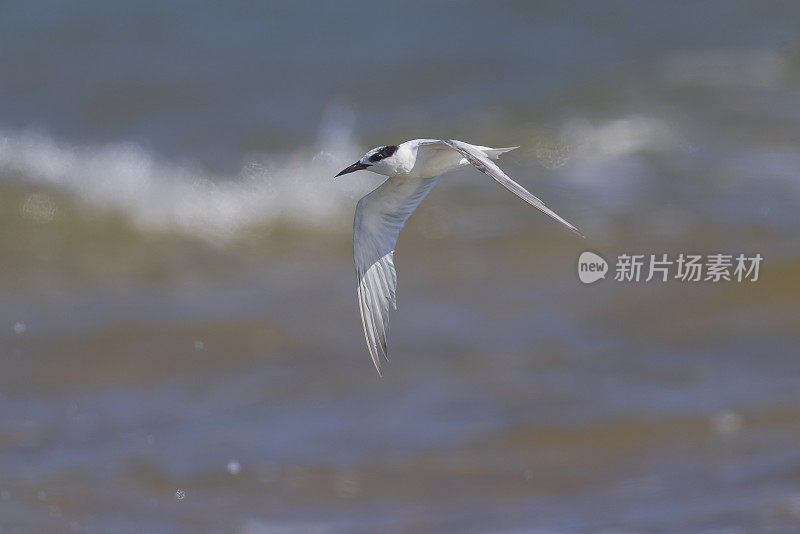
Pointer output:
180, 347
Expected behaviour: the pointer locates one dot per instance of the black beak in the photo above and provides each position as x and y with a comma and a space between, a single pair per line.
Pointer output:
357, 166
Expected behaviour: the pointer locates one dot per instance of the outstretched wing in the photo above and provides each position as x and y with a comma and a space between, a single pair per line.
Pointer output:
477, 157
380, 216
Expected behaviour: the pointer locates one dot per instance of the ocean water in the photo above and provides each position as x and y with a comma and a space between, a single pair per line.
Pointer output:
180, 346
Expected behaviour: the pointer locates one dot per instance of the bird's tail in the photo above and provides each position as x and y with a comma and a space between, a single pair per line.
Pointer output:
494, 153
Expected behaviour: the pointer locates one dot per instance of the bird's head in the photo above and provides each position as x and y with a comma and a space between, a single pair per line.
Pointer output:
382, 160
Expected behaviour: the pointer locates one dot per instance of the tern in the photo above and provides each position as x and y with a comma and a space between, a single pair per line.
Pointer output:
413, 167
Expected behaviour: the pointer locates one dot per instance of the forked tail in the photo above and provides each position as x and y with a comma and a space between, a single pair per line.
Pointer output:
494, 153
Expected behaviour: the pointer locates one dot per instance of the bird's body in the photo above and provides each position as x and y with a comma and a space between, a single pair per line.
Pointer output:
425, 158
413, 169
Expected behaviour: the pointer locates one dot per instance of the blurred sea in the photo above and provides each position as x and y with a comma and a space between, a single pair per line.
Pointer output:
180, 347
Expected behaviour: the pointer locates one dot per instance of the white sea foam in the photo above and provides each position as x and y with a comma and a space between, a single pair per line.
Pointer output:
617, 138
163, 196
612, 164
607, 162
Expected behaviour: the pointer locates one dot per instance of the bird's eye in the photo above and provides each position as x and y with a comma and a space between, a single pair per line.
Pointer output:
384, 152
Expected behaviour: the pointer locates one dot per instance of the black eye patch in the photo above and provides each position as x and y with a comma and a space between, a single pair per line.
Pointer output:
384, 152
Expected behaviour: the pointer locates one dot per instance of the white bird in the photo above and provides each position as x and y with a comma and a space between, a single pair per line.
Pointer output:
413, 168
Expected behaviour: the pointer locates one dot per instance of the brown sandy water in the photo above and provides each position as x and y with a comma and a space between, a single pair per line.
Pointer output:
237, 378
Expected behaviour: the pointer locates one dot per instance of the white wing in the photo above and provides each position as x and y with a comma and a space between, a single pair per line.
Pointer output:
477, 157
380, 216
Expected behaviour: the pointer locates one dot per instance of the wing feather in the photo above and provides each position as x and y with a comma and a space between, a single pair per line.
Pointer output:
380, 216
480, 161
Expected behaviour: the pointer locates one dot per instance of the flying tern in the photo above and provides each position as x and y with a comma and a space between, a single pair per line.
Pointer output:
413, 168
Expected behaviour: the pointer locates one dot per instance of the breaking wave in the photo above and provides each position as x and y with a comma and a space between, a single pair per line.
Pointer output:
632, 165
162, 196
